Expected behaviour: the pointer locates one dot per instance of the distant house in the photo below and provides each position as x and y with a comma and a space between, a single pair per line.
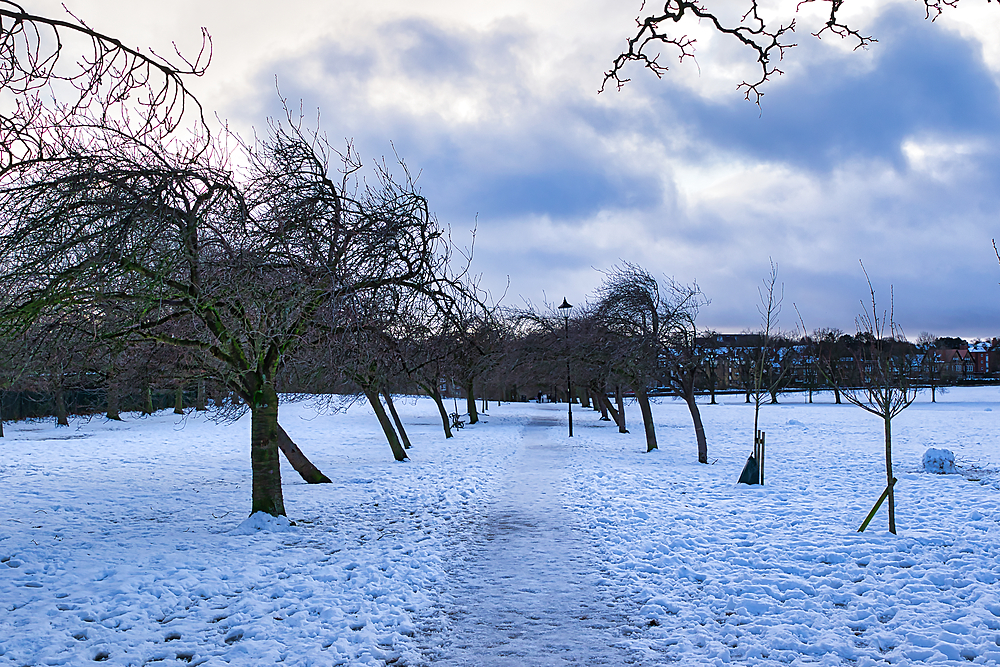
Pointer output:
957, 363
985, 357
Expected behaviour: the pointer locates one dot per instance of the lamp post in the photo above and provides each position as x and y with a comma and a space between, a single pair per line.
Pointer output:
565, 308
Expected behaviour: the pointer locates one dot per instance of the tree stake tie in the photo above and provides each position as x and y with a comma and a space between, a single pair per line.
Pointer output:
878, 503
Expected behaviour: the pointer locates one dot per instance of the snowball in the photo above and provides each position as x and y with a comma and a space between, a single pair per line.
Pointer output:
939, 461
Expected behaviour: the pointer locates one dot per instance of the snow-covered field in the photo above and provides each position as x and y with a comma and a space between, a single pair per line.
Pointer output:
510, 544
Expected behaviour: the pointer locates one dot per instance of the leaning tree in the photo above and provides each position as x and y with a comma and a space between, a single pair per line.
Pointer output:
247, 260
653, 323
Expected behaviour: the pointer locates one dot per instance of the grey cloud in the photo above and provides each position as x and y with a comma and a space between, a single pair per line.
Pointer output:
563, 181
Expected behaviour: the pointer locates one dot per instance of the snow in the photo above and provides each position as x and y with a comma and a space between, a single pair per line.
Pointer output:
262, 521
510, 544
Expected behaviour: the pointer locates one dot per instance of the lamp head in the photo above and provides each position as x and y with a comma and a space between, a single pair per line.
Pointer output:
564, 306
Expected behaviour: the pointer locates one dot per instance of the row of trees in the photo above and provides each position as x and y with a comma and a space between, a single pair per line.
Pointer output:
639, 335
139, 249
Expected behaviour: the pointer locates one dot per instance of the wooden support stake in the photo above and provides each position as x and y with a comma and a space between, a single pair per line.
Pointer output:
878, 503
760, 459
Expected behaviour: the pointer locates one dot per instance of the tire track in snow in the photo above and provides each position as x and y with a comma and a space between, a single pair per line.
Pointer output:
525, 588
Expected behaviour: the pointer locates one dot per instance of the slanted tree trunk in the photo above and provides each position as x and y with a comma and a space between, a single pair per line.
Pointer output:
62, 417
113, 401
601, 403
179, 400
647, 416
620, 400
201, 400
888, 474
774, 396
435, 393
470, 401
699, 427
264, 453
609, 408
398, 452
302, 465
616, 416
396, 420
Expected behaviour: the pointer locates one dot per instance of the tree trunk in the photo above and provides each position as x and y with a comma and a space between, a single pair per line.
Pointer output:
147, 404
435, 393
179, 401
610, 409
113, 401
888, 475
398, 452
933, 394
302, 465
2, 394
396, 420
699, 428
62, 418
836, 394
601, 401
585, 398
470, 400
201, 401
264, 459
620, 400
647, 417
774, 396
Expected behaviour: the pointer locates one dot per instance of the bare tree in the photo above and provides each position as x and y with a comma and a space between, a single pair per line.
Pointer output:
92, 75
766, 39
630, 304
654, 324
684, 357
932, 364
886, 385
771, 295
830, 348
249, 262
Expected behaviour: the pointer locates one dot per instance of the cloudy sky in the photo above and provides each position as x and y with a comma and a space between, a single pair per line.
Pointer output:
890, 156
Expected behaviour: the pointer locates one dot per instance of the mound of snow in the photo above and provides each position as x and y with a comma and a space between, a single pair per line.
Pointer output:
259, 521
940, 461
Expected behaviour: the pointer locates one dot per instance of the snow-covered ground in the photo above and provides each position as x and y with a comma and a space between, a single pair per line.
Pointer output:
508, 545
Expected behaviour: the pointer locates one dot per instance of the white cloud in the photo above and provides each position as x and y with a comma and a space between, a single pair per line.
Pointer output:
939, 158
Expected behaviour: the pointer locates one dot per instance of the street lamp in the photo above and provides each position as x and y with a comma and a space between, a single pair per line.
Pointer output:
565, 308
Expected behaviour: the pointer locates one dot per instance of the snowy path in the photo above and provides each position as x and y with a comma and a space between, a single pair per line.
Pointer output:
527, 589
